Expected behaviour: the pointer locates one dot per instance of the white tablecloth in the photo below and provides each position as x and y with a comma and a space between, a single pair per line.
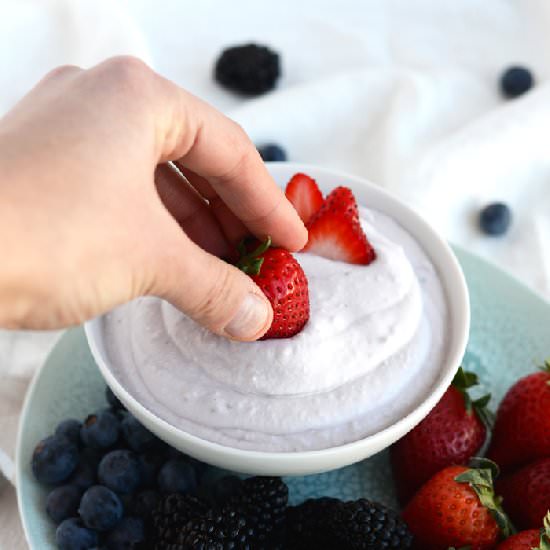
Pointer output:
404, 93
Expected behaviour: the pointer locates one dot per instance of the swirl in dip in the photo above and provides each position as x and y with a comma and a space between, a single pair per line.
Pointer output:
368, 356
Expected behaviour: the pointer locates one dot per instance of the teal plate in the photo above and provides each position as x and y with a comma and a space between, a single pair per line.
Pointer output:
509, 337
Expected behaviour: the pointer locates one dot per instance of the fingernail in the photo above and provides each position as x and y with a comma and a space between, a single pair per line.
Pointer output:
250, 318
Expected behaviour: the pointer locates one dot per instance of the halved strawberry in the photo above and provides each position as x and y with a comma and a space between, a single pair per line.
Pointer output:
335, 231
305, 196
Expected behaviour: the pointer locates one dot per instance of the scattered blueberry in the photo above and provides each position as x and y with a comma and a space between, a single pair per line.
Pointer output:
73, 535
177, 476
149, 466
137, 436
249, 69
271, 152
84, 476
225, 488
495, 218
515, 81
70, 429
112, 399
62, 502
100, 430
144, 503
100, 508
119, 470
54, 460
126, 535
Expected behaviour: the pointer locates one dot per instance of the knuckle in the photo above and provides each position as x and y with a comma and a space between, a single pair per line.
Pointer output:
61, 72
128, 72
208, 306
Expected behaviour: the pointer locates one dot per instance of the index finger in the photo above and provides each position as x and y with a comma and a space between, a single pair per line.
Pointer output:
215, 147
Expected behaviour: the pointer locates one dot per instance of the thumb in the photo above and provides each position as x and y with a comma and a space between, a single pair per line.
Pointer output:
212, 292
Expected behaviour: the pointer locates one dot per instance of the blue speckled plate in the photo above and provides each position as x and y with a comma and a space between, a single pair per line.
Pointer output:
509, 336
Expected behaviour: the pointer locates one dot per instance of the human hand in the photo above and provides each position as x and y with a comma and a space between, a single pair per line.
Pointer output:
91, 215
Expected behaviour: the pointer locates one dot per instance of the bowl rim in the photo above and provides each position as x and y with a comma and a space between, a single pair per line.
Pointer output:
295, 462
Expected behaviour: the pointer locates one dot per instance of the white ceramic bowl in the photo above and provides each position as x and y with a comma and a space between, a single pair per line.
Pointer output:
309, 462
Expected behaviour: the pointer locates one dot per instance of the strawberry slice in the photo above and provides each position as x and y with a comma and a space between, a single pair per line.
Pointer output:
335, 231
305, 196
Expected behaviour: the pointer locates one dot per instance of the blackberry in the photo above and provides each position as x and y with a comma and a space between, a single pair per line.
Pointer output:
249, 69
366, 525
225, 529
272, 152
172, 514
263, 501
307, 524
495, 219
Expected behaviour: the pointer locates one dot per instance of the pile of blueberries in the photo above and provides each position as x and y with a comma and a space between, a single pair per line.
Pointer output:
107, 475
253, 69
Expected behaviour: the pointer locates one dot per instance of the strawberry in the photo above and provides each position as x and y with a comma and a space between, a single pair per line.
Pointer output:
533, 539
335, 231
304, 194
522, 428
457, 507
525, 540
451, 434
282, 279
526, 494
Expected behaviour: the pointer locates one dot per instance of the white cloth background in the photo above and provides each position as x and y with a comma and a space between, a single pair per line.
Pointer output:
404, 93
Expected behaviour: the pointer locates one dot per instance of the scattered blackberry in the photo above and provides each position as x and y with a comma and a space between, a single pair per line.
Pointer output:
249, 69
172, 514
307, 524
263, 500
366, 525
225, 529
515, 81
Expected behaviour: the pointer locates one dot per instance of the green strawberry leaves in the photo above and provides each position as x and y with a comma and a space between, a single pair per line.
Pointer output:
251, 262
480, 478
463, 381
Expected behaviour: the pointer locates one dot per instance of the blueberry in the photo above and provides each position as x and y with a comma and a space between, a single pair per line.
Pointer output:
112, 399
100, 430
149, 465
100, 508
73, 535
271, 152
84, 476
137, 436
177, 476
119, 470
225, 488
54, 460
126, 535
70, 429
515, 81
62, 502
91, 456
144, 503
495, 218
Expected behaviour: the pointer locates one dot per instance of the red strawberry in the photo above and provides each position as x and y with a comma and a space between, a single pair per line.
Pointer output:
533, 539
335, 231
522, 428
451, 434
305, 196
283, 281
457, 507
525, 540
526, 494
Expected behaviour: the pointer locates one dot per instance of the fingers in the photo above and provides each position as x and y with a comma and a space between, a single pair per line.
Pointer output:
212, 292
191, 211
233, 228
213, 146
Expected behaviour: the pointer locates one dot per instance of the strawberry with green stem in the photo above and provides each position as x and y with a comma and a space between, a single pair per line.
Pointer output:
532, 539
282, 280
457, 507
452, 433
